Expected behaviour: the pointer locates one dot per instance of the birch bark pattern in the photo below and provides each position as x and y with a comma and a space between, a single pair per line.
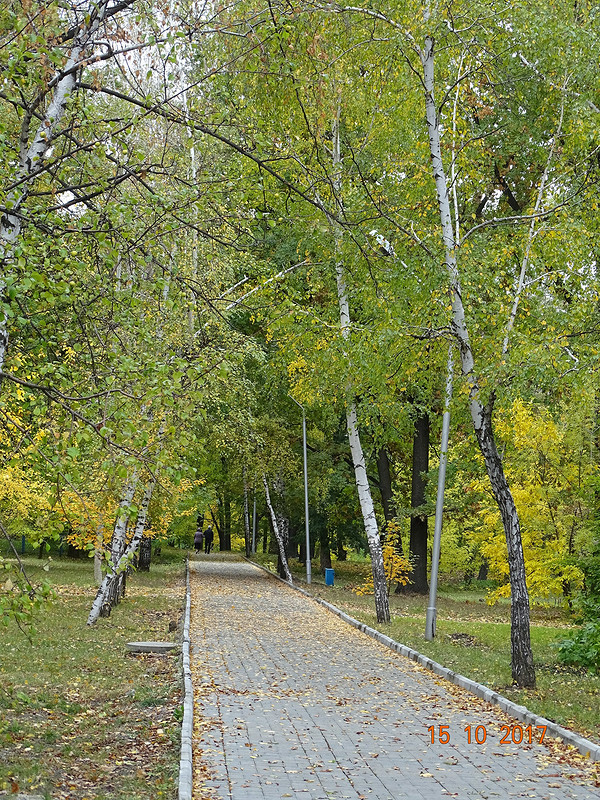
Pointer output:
32, 154
382, 603
98, 553
280, 542
523, 671
110, 589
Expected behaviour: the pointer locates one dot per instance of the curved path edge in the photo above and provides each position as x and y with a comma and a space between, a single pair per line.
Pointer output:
521, 713
187, 725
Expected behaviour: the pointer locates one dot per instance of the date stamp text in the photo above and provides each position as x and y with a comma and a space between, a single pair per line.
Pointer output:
510, 734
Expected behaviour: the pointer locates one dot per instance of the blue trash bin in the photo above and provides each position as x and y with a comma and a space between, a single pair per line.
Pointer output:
329, 575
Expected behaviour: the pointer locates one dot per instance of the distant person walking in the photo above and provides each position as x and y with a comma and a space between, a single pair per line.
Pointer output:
208, 539
198, 540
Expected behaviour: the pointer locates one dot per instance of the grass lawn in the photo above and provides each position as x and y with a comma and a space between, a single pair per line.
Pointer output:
473, 639
79, 717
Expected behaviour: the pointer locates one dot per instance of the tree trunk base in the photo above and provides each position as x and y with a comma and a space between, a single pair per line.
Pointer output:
105, 610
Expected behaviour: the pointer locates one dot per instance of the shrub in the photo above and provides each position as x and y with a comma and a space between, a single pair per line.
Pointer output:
583, 648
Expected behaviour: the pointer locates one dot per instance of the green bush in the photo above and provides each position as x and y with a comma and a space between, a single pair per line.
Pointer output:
591, 571
583, 648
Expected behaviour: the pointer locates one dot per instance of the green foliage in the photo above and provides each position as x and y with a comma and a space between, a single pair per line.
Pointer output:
591, 571
129, 347
583, 647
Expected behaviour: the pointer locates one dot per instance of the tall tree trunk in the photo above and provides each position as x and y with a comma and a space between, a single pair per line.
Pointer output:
218, 528
382, 605
283, 523
324, 549
265, 537
226, 520
247, 540
523, 671
418, 523
302, 552
341, 554
221, 525
385, 485
117, 544
99, 552
145, 554
278, 536
272, 544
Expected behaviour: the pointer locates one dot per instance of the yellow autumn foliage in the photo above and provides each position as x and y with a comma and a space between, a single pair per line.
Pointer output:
544, 479
169, 505
397, 567
23, 498
85, 519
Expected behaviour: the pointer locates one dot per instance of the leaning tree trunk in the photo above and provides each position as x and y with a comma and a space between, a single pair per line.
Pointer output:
98, 552
523, 671
277, 532
382, 603
112, 584
283, 522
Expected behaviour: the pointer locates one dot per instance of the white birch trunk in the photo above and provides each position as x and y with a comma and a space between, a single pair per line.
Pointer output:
382, 604
31, 155
283, 522
522, 657
191, 312
142, 517
532, 234
120, 529
278, 536
119, 562
116, 548
98, 554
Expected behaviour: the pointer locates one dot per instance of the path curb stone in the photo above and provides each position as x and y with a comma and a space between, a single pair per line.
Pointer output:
521, 713
187, 725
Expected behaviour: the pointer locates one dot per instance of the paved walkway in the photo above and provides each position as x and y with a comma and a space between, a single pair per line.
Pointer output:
291, 702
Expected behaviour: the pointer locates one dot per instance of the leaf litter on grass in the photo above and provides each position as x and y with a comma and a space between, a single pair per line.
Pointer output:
81, 719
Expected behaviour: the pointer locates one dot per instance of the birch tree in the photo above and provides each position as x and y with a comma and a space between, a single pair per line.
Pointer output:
382, 607
481, 397
112, 587
481, 411
279, 535
41, 121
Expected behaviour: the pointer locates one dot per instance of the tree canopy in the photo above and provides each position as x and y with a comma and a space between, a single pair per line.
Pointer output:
209, 213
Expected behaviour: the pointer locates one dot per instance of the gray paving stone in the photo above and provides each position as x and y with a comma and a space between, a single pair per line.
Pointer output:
301, 705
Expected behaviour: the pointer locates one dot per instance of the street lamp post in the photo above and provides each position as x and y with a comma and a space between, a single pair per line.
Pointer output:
306, 520
431, 615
